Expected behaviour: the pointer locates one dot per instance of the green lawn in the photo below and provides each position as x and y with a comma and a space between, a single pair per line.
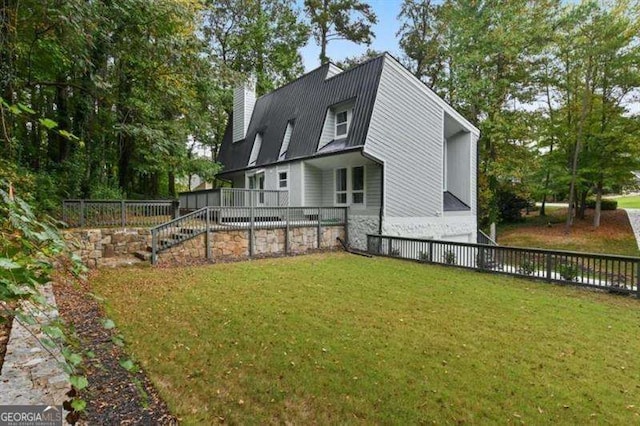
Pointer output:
338, 338
629, 202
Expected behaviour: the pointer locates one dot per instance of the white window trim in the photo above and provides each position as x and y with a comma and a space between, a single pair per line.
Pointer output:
349, 112
282, 170
251, 173
349, 190
335, 190
363, 190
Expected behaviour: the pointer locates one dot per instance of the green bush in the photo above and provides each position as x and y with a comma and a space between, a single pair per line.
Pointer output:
510, 204
605, 204
527, 267
449, 257
568, 271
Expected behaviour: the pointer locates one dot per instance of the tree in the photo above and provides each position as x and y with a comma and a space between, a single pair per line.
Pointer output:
352, 61
260, 37
590, 75
340, 20
132, 80
422, 39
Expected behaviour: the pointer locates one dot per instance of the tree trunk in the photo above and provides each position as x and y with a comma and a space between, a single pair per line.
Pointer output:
124, 167
172, 183
576, 153
323, 47
583, 204
598, 210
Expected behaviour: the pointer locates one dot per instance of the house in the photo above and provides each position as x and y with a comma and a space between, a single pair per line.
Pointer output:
373, 138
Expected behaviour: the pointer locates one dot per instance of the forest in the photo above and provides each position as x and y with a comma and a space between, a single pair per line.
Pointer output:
120, 98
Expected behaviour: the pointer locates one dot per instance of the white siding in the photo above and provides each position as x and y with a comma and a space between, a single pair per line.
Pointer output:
474, 174
459, 166
295, 183
328, 187
244, 99
406, 132
329, 129
312, 186
333, 70
373, 174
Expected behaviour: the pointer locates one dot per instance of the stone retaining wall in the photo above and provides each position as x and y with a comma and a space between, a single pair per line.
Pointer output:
95, 246
234, 244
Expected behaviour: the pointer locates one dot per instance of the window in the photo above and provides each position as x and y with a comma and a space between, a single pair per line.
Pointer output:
341, 186
357, 185
285, 141
283, 180
255, 150
342, 123
350, 186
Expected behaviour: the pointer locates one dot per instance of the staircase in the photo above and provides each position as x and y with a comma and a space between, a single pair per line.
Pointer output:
175, 232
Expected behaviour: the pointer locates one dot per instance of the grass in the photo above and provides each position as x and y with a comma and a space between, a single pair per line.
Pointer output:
629, 201
614, 236
336, 338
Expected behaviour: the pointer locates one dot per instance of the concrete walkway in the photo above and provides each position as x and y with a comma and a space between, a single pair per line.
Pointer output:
634, 219
30, 374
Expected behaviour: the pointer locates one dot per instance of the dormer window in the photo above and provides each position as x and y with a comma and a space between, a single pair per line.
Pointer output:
255, 150
337, 123
285, 141
342, 123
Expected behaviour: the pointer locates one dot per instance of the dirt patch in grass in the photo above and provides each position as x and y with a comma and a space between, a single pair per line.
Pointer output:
114, 395
614, 236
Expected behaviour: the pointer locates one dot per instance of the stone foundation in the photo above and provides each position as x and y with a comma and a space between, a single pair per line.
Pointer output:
359, 227
95, 246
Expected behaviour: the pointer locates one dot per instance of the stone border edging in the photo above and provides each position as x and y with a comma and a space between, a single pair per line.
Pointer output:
30, 375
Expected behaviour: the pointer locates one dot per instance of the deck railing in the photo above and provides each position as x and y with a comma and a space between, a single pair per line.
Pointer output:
616, 273
233, 197
112, 213
214, 219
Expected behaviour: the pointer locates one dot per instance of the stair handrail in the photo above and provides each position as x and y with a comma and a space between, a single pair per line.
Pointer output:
485, 239
174, 222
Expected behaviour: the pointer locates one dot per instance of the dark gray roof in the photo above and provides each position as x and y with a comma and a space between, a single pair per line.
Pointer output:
453, 203
305, 102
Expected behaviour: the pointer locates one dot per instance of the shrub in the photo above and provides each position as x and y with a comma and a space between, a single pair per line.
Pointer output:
510, 204
568, 271
527, 267
605, 204
449, 257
